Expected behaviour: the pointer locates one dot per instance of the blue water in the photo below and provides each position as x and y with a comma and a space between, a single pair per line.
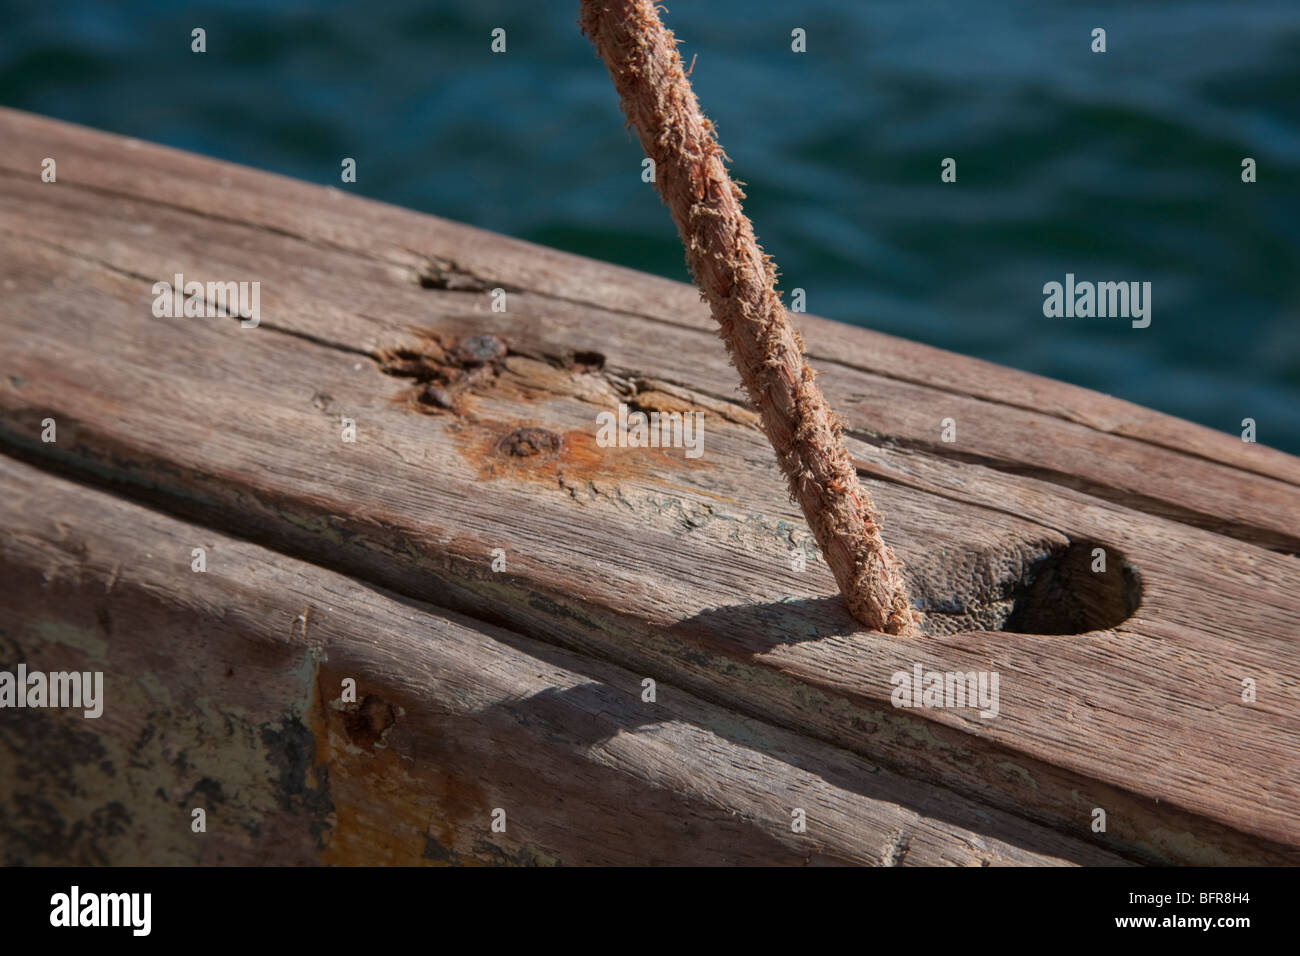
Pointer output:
1117, 166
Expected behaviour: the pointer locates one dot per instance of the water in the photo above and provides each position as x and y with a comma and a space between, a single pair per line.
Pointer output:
1116, 166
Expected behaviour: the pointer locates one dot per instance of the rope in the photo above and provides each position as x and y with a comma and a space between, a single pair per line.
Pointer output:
738, 281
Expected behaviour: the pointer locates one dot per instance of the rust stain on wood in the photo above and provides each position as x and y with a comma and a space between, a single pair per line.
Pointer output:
387, 808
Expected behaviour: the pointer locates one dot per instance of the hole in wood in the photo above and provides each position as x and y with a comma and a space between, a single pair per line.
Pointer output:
586, 361
1069, 588
1067, 596
1029, 587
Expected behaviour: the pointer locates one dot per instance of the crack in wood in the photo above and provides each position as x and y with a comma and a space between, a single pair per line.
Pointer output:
1251, 534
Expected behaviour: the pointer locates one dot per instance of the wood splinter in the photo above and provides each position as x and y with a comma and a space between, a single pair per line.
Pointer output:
738, 281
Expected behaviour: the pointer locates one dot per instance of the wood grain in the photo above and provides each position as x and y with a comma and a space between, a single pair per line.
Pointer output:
674, 568
223, 691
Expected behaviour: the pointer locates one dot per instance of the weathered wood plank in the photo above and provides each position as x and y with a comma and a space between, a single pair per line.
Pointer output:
453, 255
222, 691
675, 567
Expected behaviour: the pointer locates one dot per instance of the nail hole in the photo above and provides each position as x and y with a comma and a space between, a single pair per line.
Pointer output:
587, 361
369, 723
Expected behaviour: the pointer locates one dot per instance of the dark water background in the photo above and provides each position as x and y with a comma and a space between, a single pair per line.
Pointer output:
1122, 166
